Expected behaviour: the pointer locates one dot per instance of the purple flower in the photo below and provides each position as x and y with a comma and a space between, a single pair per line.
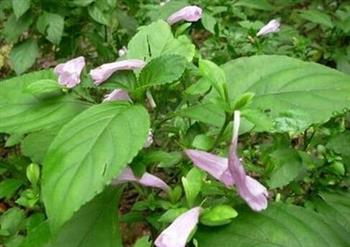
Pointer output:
69, 72
188, 13
103, 72
117, 94
231, 171
146, 179
176, 235
271, 27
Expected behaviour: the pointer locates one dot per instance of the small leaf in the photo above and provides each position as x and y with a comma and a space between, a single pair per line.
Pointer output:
13, 28
203, 142
23, 56
287, 164
12, 220
162, 70
20, 7
52, 25
8, 187
192, 184
218, 215
215, 75
99, 15
208, 22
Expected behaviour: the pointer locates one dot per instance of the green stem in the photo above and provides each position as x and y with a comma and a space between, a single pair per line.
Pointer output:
221, 132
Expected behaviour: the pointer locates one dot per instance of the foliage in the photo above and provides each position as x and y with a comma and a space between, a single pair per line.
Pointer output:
65, 152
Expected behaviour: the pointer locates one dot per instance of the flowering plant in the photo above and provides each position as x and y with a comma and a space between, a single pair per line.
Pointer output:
157, 132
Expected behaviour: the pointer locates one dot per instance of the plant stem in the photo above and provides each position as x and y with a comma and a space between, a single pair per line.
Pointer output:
222, 130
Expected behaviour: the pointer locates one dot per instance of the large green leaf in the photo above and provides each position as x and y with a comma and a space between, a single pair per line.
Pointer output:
21, 112
95, 224
23, 56
335, 206
162, 70
279, 225
286, 85
157, 39
88, 153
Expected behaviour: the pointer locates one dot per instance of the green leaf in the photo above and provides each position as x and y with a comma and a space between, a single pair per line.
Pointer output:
215, 75
255, 4
13, 28
22, 112
20, 7
218, 215
317, 16
82, 3
203, 142
36, 144
283, 84
162, 70
11, 220
279, 225
52, 26
192, 184
9, 187
201, 112
97, 145
335, 206
95, 224
23, 56
143, 242
287, 166
99, 15
43, 86
208, 22
157, 39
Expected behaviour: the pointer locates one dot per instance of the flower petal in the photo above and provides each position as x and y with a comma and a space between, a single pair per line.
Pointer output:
117, 94
146, 179
254, 193
69, 72
103, 72
215, 165
177, 233
271, 27
188, 13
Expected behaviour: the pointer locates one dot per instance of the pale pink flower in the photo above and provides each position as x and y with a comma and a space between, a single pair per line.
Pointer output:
103, 72
271, 27
117, 94
188, 13
176, 235
231, 171
69, 72
146, 179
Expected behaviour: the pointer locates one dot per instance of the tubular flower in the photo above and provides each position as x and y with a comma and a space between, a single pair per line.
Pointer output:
117, 94
188, 13
176, 235
69, 72
103, 72
230, 171
271, 27
146, 179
